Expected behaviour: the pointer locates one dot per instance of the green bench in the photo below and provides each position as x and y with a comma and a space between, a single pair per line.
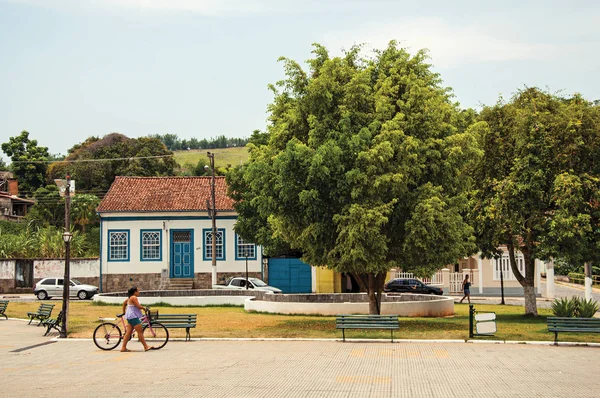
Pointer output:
53, 323
171, 321
572, 325
344, 322
42, 313
3, 305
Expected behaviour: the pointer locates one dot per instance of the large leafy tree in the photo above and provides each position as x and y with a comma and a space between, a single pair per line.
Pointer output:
537, 185
363, 169
90, 164
27, 162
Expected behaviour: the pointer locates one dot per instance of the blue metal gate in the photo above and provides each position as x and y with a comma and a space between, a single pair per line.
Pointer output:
290, 275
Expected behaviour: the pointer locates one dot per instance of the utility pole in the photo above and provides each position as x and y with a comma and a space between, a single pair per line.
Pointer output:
67, 277
211, 157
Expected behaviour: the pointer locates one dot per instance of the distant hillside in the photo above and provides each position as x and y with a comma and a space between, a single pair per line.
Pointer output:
223, 156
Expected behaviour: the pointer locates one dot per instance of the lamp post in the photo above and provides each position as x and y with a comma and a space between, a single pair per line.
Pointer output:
213, 214
67, 236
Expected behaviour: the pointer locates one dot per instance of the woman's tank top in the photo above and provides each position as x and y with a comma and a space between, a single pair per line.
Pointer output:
132, 312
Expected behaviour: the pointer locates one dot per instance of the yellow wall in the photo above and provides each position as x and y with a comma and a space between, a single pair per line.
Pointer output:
328, 281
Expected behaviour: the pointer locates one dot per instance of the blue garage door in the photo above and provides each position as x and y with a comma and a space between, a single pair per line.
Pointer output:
290, 275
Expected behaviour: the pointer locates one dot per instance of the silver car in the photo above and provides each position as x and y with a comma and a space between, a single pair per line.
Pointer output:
53, 287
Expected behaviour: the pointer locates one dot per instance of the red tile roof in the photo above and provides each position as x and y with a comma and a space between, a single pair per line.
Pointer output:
136, 194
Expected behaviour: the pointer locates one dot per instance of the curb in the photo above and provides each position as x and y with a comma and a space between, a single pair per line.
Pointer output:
399, 341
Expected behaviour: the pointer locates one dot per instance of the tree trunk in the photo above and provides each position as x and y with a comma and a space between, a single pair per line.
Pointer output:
530, 300
373, 284
526, 281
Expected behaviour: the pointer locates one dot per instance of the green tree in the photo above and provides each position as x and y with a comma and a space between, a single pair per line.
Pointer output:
537, 185
27, 161
49, 209
83, 211
363, 170
90, 164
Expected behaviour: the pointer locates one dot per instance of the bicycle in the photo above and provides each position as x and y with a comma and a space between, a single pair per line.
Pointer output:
108, 335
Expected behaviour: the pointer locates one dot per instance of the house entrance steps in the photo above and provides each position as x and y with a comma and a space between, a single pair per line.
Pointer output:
181, 284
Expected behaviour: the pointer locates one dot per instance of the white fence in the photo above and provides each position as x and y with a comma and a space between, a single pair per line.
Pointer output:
436, 279
456, 279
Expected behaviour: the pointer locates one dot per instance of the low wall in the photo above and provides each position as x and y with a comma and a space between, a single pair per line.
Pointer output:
198, 298
409, 305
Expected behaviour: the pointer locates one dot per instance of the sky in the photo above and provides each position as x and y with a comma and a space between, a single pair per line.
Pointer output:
70, 69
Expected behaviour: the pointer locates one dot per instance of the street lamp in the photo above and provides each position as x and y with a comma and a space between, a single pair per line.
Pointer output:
67, 236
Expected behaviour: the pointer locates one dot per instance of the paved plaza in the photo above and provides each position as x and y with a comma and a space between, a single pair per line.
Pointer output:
35, 366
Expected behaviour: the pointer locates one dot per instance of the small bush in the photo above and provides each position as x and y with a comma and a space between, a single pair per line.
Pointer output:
564, 307
574, 307
587, 308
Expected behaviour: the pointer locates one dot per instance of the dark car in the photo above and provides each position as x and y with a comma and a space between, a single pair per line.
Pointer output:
411, 285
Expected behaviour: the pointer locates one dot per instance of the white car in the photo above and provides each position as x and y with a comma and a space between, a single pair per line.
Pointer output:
239, 283
53, 287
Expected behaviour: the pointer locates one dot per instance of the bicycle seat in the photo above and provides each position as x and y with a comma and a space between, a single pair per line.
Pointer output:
120, 315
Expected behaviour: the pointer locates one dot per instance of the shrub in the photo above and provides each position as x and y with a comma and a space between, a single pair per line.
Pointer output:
564, 307
586, 308
574, 307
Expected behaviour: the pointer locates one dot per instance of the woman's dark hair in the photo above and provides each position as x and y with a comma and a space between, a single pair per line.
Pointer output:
131, 291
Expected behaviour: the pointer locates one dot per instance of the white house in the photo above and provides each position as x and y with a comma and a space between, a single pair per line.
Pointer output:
155, 233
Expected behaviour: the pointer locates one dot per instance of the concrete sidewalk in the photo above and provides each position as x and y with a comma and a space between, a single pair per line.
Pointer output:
75, 368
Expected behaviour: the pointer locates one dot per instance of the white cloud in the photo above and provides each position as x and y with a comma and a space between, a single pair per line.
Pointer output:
449, 45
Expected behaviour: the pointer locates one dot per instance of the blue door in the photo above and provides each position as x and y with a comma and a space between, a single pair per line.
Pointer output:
182, 256
290, 275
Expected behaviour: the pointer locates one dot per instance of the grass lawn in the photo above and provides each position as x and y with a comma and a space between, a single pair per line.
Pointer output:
236, 322
223, 156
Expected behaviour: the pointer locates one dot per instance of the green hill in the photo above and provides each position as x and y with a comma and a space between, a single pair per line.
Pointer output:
223, 156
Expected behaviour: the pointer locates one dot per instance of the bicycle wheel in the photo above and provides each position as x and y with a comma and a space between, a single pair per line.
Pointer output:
158, 336
107, 336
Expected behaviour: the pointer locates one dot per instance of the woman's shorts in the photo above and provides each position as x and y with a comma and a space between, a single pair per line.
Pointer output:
467, 291
134, 321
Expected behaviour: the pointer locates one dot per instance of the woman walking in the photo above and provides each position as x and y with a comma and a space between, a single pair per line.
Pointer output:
466, 285
133, 313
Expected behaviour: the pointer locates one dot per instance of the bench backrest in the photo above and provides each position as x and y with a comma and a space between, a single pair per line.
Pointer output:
366, 320
177, 319
582, 323
3, 304
45, 309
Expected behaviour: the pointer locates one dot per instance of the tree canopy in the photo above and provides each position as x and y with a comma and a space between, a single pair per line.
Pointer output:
89, 164
538, 184
27, 162
363, 169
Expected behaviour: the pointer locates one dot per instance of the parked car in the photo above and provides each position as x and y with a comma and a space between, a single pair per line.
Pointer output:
51, 287
239, 283
411, 285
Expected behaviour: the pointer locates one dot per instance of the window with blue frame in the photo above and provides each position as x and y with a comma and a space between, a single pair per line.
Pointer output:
244, 249
118, 245
220, 244
150, 249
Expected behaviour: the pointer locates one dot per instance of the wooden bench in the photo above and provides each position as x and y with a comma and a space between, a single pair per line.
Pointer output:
572, 325
42, 313
367, 322
53, 323
3, 305
171, 321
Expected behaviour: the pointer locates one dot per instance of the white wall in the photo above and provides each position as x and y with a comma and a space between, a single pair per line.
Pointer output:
201, 222
7, 269
79, 268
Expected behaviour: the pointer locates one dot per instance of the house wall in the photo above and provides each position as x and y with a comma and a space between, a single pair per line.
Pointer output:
86, 270
148, 273
7, 276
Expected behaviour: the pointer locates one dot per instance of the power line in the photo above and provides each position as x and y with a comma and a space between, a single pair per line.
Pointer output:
93, 160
